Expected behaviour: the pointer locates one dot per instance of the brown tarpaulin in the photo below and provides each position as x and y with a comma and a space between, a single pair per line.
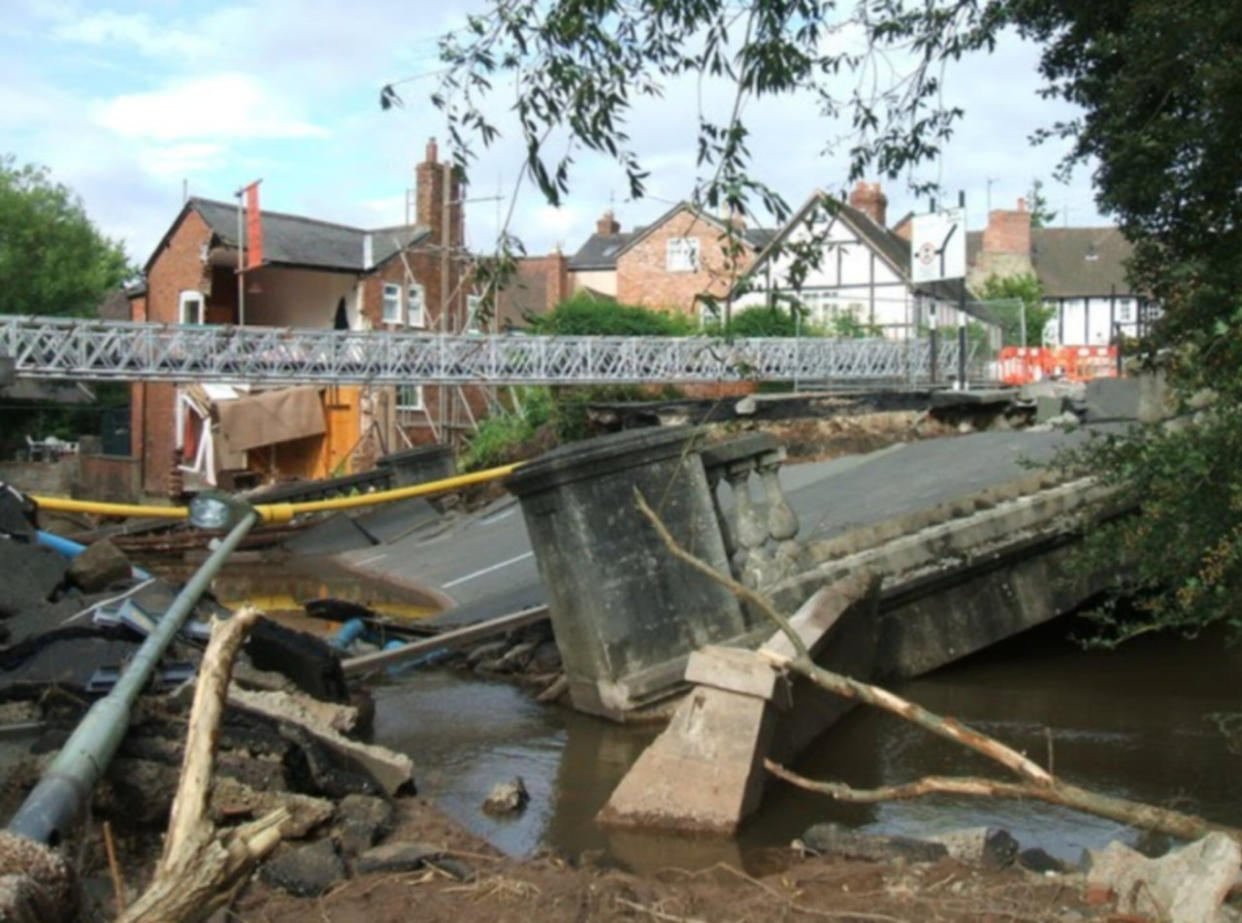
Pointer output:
269, 418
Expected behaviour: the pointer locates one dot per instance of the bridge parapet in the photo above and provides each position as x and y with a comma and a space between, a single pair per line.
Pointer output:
760, 537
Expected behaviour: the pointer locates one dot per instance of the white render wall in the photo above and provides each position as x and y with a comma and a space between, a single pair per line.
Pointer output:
850, 276
1088, 321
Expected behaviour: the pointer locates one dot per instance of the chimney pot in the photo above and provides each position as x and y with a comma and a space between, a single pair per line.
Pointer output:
1021, 205
432, 151
608, 225
870, 199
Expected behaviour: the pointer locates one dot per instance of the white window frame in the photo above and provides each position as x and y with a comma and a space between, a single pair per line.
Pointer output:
473, 304
681, 254
187, 299
390, 297
1125, 310
404, 392
415, 305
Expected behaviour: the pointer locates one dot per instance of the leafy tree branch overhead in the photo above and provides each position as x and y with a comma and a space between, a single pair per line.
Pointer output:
1158, 86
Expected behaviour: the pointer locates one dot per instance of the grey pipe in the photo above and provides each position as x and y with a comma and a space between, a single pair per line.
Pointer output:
57, 803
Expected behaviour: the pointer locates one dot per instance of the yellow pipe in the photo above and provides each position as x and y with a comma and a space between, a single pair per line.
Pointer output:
65, 505
283, 512
278, 512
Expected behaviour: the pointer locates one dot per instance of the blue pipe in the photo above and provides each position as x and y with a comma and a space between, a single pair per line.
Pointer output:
348, 633
71, 549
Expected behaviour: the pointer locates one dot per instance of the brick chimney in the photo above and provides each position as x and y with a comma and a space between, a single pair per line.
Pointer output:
607, 225
1008, 232
431, 181
1004, 246
870, 199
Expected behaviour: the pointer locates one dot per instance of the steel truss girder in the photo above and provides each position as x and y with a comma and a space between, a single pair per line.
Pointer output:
90, 350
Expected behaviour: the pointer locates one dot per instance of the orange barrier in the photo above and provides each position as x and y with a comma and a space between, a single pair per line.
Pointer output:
1019, 365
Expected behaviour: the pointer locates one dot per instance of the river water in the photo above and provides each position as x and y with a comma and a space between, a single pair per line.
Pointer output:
1141, 722
1149, 721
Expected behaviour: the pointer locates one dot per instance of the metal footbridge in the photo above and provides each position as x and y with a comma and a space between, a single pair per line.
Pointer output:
92, 350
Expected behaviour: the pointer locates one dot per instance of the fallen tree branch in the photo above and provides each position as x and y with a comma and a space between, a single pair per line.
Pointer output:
199, 871
846, 686
1039, 783
1135, 813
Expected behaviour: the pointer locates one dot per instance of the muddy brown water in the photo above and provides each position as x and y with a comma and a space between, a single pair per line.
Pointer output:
1137, 722
1142, 722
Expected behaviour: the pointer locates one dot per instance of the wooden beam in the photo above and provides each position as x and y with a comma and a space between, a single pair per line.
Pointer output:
457, 637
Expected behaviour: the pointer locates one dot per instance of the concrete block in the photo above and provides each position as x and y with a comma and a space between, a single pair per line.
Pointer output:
737, 670
1047, 407
704, 773
1112, 399
99, 566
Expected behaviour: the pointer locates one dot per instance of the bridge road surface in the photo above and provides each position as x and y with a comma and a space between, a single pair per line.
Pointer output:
484, 562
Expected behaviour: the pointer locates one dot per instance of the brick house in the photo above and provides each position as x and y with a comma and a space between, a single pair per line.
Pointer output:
675, 263
538, 284
317, 275
861, 269
1082, 272
682, 261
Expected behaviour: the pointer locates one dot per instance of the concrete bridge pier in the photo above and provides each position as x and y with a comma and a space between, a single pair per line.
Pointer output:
911, 596
625, 620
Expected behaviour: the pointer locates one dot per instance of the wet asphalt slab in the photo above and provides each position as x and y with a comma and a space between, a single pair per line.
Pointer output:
482, 565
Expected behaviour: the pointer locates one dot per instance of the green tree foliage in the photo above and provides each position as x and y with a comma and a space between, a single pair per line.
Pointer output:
767, 322
1157, 86
1041, 215
583, 315
53, 260
1012, 297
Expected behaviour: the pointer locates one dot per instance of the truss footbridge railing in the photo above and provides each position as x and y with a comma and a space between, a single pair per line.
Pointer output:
85, 350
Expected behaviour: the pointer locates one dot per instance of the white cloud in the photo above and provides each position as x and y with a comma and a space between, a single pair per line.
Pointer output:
109, 28
217, 106
179, 160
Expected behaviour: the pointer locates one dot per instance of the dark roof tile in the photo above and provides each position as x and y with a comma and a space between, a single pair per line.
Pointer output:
295, 240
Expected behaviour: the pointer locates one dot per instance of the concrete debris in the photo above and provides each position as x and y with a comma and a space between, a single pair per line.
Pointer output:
306, 871
32, 574
232, 800
1040, 862
307, 660
362, 822
401, 856
835, 840
299, 709
989, 847
17, 514
1187, 885
507, 797
100, 566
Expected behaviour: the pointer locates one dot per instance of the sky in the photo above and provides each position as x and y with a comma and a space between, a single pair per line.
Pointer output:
130, 103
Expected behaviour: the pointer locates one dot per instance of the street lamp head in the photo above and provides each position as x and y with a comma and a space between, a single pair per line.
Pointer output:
215, 509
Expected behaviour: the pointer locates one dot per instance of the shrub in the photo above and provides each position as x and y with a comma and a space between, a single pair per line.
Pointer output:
583, 315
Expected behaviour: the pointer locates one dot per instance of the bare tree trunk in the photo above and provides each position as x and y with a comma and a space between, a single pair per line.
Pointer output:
199, 871
1038, 782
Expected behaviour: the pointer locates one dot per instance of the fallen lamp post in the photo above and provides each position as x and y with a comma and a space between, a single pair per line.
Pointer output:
58, 801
